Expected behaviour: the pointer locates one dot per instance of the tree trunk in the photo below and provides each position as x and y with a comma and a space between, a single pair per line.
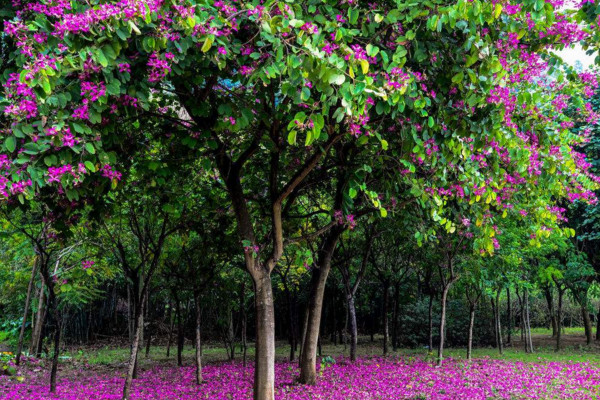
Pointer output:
171, 326
549, 300
598, 325
470, 337
25, 312
308, 361
395, 317
493, 304
334, 330
180, 338
386, 335
148, 340
140, 342
587, 323
522, 315
498, 322
132, 366
57, 332
559, 319
509, 317
345, 330
430, 316
442, 325
353, 328
292, 328
231, 336
264, 373
527, 323
130, 316
244, 322
198, 340
39, 322
303, 339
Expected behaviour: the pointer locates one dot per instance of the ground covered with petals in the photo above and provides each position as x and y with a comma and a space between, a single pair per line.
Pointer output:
369, 378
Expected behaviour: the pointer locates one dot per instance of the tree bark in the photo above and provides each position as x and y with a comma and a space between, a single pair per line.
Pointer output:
470, 337
386, 335
395, 317
522, 314
292, 328
559, 318
148, 340
54, 369
526, 323
509, 317
231, 336
39, 322
26, 311
308, 361
303, 339
140, 342
198, 346
353, 328
244, 322
430, 316
180, 338
171, 326
264, 373
132, 366
587, 323
598, 325
498, 322
442, 325
493, 304
550, 302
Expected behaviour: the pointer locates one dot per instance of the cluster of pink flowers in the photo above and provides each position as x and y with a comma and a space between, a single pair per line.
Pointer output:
348, 220
110, 173
77, 23
159, 67
366, 379
55, 174
81, 112
252, 249
93, 91
397, 79
309, 27
24, 98
359, 53
86, 264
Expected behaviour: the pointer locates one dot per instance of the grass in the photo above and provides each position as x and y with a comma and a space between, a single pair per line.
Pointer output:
576, 330
113, 356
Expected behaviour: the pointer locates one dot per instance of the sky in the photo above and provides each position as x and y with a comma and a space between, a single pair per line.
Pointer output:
570, 56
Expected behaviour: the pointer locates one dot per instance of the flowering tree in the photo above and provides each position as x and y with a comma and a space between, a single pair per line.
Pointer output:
460, 106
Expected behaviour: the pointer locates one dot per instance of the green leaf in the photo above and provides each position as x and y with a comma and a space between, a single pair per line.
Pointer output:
90, 148
90, 166
46, 85
292, 137
338, 79
207, 44
101, 58
10, 143
122, 34
458, 77
134, 27
497, 10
